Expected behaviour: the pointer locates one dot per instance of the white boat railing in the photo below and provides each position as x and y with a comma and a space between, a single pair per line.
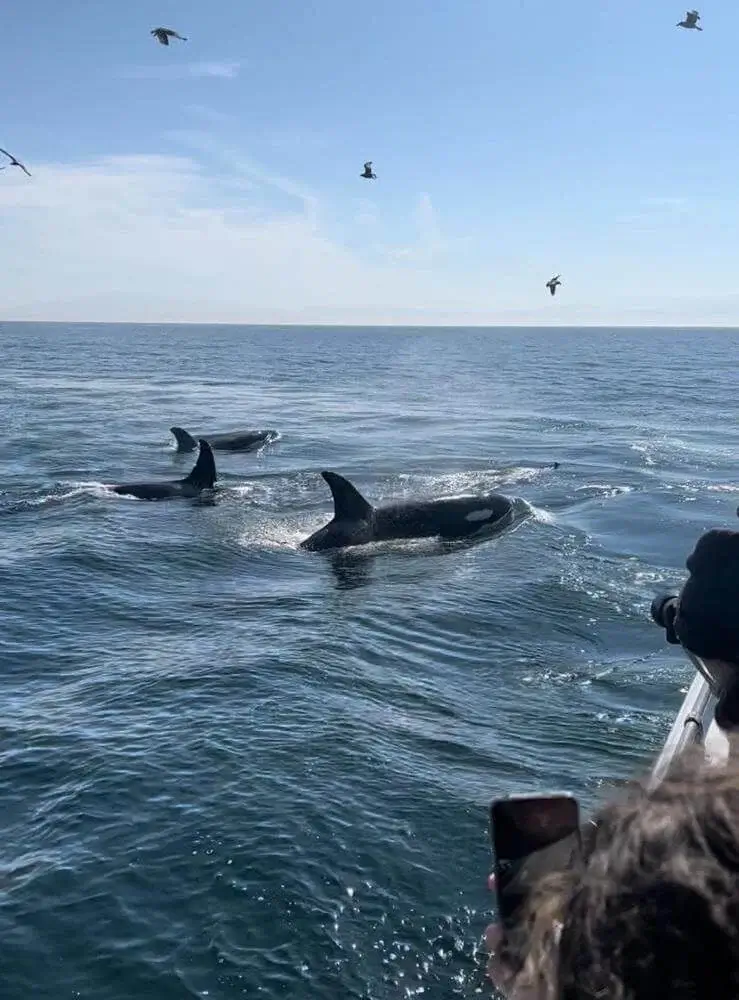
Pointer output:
689, 728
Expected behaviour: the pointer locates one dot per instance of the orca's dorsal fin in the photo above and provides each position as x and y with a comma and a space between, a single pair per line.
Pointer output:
349, 504
185, 441
203, 475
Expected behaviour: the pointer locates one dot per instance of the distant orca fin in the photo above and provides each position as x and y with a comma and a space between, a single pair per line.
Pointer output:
185, 441
203, 475
349, 504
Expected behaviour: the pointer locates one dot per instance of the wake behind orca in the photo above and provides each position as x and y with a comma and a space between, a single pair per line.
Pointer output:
202, 477
357, 522
227, 441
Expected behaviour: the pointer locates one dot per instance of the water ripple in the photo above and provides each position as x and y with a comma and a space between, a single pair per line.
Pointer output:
230, 767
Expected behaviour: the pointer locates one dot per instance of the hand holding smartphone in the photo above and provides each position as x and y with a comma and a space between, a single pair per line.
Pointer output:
531, 836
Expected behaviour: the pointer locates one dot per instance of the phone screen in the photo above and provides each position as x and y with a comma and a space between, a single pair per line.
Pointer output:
521, 828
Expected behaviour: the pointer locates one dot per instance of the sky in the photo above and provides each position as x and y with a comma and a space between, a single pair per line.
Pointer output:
217, 180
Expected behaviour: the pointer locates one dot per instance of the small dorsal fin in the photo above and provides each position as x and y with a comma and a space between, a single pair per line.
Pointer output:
203, 475
185, 441
349, 504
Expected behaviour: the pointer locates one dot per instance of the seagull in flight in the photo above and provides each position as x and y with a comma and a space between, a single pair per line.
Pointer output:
13, 161
368, 172
692, 18
552, 284
163, 35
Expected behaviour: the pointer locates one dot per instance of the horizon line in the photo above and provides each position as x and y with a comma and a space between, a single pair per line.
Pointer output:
377, 326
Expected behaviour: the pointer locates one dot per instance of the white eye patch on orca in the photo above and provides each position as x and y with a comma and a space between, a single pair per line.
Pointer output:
479, 515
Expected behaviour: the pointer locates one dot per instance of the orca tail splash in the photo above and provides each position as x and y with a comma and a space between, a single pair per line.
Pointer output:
185, 441
203, 475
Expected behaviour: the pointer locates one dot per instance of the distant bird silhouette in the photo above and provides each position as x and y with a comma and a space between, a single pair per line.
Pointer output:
552, 284
163, 35
368, 171
692, 17
13, 161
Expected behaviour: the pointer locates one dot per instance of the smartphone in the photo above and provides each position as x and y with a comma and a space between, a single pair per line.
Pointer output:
522, 827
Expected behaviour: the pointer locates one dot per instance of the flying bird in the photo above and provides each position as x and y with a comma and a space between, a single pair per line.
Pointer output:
13, 161
163, 35
692, 17
552, 284
368, 171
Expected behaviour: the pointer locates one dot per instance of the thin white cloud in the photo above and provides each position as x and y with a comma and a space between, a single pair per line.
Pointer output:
247, 168
156, 238
306, 141
428, 226
145, 238
431, 244
218, 70
366, 214
210, 115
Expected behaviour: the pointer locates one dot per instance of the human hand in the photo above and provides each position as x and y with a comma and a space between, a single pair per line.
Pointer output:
503, 978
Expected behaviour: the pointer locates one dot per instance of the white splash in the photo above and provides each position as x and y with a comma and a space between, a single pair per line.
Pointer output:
541, 515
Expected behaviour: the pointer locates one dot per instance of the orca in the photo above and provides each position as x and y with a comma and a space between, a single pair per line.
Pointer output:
357, 522
228, 441
202, 477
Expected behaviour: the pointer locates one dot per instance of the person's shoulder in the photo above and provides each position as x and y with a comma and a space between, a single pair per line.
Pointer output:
714, 550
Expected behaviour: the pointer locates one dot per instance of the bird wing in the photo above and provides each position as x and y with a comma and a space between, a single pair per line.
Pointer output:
368, 165
13, 161
692, 16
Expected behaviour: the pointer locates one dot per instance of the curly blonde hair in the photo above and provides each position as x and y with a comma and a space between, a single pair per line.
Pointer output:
652, 911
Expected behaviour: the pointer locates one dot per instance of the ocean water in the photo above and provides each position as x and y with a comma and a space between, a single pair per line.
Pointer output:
231, 768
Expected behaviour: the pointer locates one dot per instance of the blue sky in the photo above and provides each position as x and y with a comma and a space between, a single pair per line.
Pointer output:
218, 179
